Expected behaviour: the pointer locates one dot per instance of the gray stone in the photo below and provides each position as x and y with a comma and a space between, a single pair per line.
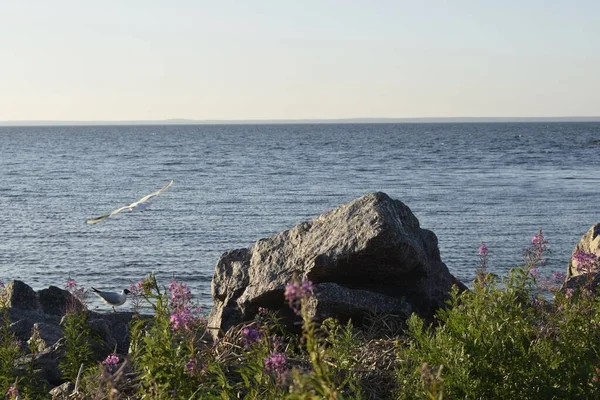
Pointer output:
370, 245
19, 295
119, 328
62, 391
44, 335
589, 281
21, 329
106, 343
342, 303
45, 364
590, 243
57, 301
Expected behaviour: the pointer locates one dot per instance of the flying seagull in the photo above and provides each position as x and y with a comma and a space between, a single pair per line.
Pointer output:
112, 298
140, 204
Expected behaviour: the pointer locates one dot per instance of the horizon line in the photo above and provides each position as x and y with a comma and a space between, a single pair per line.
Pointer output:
358, 120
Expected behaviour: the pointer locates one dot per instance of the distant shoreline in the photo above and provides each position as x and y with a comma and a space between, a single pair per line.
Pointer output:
441, 120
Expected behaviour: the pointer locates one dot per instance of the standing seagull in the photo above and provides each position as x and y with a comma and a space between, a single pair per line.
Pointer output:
112, 298
140, 204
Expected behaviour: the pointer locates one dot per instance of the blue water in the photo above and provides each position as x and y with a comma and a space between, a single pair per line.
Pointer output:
469, 183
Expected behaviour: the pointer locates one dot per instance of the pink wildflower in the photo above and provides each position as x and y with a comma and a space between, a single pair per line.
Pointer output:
276, 363
295, 292
585, 260
250, 336
558, 277
13, 392
538, 239
180, 294
483, 250
111, 362
191, 366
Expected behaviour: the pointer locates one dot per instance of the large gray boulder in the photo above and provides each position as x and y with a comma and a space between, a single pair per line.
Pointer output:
369, 255
590, 243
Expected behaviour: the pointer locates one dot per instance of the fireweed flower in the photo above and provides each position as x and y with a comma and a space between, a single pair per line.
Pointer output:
184, 319
585, 260
77, 292
181, 319
12, 393
137, 288
535, 272
276, 363
569, 293
480, 273
534, 255
179, 294
558, 277
295, 292
190, 366
250, 336
483, 250
111, 362
1, 284
538, 239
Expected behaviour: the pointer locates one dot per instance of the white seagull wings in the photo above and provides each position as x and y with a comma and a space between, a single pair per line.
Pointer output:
141, 203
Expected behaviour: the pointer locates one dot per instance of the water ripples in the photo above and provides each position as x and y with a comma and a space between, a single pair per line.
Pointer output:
468, 183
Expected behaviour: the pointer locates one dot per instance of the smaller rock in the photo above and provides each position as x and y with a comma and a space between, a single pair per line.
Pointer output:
590, 281
57, 301
19, 295
63, 391
119, 328
44, 336
342, 303
106, 343
21, 329
45, 365
590, 243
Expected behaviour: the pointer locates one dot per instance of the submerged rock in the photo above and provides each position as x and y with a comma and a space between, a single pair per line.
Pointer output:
367, 256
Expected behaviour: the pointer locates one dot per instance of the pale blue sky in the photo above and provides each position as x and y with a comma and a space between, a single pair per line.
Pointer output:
139, 60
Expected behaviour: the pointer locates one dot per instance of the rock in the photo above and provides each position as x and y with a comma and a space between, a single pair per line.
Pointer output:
342, 303
21, 329
590, 243
589, 281
19, 295
119, 328
106, 343
45, 365
57, 301
44, 336
62, 391
16, 314
370, 250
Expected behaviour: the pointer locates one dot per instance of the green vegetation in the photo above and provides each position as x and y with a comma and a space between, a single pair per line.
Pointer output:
516, 337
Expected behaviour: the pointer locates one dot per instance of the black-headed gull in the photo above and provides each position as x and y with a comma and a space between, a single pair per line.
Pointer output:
140, 204
112, 298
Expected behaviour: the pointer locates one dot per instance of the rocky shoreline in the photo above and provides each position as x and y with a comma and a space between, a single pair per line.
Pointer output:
369, 256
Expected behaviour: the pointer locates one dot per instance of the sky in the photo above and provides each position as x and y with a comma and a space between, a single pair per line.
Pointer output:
253, 60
